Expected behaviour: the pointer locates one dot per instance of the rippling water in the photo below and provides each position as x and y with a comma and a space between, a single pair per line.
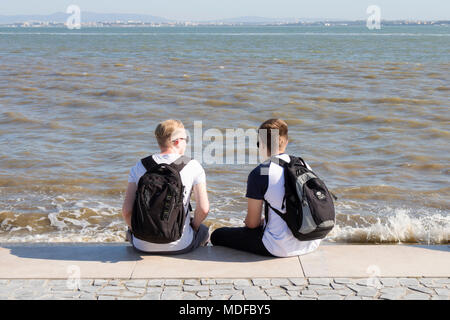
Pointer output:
368, 110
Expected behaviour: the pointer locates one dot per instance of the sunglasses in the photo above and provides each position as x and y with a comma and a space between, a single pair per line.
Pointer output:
185, 139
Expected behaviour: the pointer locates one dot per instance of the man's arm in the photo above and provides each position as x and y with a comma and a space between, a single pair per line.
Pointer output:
201, 205
254, 212
127, 208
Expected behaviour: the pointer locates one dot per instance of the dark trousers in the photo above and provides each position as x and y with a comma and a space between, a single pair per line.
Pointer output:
241, 238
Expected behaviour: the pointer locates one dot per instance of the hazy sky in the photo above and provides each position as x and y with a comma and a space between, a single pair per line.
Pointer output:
216, 9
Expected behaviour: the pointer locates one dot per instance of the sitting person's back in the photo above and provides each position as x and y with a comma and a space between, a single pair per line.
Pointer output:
172, 140
266, 184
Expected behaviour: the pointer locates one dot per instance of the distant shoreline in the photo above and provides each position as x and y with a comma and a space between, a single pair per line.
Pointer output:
325, 23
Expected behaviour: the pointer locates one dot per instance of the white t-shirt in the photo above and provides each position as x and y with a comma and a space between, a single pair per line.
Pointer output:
278, 238
192, 174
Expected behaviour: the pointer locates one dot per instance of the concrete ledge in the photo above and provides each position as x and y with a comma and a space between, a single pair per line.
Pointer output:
378, 260
120, 261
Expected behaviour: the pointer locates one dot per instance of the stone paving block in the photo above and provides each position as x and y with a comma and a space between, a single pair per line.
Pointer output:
136, 290
324, 292
299, 281
368, 292
224, 281
254, 295
285, 297
291, 288
408, 282
427, 282
225, 286
155, 283
389, 282
393, 293
337, 286
356, 287
342, 280
275, 292
442, 280
417, 296
222, 292
87, 296
439, 298
35, 283
171, 295
303, 298
344, 292
192, 282
168, 288
442, 292
116, 282
261, 282
317, 287
220, 297
100, 282
352, 298
196, 288
48, 297
151, 296
189, 296
308, 293
365, 282
293, 293
106, 298
363, 291
280, 282
90, 289
142, 283
320, 281
173, 282
422, 289
203, 294
50, 283
237, 297
330, 297
241, 283
207, 281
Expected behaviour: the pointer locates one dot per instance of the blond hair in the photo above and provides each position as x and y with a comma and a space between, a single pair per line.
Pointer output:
165, 130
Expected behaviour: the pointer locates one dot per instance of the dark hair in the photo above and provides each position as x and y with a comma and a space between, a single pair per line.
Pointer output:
274, 124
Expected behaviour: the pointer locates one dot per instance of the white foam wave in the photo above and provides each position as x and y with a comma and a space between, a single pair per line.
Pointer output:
401, 227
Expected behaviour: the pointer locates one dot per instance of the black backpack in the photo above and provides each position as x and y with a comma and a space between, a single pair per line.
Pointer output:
158, 210
309, 205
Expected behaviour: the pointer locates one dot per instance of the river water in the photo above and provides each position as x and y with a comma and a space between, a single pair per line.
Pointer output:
368, 110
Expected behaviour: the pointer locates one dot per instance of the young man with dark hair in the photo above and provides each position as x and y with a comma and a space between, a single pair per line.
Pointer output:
266, 183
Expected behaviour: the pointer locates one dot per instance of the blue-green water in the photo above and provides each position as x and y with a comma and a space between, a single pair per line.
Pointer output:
368, 110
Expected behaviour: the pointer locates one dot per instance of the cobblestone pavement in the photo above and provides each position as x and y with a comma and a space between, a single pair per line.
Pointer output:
229, 289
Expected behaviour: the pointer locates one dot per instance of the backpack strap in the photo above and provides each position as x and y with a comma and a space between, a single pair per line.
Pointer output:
148, 163
278, 161
298, 159
180, 163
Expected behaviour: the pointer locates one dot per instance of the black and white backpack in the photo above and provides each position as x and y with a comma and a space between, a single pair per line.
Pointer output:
158, 210
309, 205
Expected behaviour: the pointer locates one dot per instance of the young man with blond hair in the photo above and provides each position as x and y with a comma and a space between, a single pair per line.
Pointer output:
270, 236
172, 140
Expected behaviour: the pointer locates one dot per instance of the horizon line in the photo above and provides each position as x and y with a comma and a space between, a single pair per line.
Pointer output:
315, 19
